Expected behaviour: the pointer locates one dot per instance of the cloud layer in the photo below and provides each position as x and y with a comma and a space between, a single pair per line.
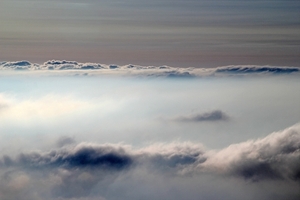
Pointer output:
273, 157
72, 170
136, 70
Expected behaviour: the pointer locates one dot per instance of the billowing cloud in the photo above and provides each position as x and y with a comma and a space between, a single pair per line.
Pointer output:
216, 115
81, 156
86, 170
273, 157
148, 71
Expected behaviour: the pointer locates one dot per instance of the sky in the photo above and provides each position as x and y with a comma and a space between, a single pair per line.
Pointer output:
110, 100
193, 33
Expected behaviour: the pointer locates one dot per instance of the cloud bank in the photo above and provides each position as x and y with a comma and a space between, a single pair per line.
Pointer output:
86, 170
152, 71
274, 157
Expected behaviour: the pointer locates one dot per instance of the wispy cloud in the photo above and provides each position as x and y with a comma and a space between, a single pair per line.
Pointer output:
216, 115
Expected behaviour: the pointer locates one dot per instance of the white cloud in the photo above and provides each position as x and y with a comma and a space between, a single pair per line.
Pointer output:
273, 157
216, 115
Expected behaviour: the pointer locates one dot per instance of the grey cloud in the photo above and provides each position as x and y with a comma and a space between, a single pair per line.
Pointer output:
65, 141
178, 74
73, 171
174, 156
216, 115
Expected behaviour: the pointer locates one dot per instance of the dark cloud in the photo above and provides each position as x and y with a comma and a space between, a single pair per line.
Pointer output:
115, 157
216, 115
80, 157
65, 141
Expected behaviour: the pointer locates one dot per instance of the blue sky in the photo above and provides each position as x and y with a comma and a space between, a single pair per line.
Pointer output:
176, 33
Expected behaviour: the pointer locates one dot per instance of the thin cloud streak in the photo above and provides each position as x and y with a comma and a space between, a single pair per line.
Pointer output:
216, 115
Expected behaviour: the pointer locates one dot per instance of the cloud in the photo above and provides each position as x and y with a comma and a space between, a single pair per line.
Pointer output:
63, 141
250, 69
216, 115
88, 170
74, 171
273, 157
69, 65
108, 156
17, 65
42, 107
81, 156
146, 71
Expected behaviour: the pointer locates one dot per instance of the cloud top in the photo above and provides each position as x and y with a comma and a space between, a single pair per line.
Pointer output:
273, 157
137, 70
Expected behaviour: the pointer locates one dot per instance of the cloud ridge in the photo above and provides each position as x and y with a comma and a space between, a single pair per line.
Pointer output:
276, 156
148, 71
